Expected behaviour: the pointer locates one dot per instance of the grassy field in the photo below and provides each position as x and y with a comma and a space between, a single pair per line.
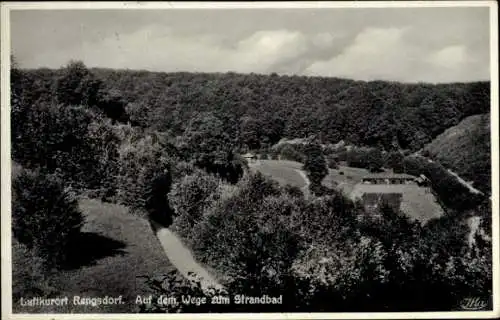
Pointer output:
418, 203
115, 248
283, 171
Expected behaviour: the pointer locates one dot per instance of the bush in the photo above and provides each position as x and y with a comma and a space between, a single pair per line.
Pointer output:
74, 141
264, 155
174, 285
105, 143
251, 243
293, 191
45, 217
315, 164
231, 227
394, 161
207, 143
189, 198
367, 158
290, 152
341, 278
30, 273
450, 191
144, 178
182, 169
332, 162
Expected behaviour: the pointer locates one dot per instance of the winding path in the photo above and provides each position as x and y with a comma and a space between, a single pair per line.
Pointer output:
182, 258
305, 189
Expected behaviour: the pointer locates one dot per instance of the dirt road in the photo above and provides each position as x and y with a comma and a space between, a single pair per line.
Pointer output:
182, 258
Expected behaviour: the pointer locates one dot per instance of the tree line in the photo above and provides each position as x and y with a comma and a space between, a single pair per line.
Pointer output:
258, 110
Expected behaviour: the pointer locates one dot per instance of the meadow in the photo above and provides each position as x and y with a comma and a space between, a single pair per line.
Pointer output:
283, 171
115, 248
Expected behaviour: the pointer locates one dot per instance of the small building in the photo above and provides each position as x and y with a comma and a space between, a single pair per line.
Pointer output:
250, 157
384, 178
423, 181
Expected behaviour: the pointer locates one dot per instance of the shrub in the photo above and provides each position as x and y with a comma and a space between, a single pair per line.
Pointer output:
290, 152
332, 162
105, 141
231, 229
144, 178
341, 278
315, 164
174, 285
182, 169
368, 158
45, 217
207, 143
189, 198
76, 142
394, 160
293, 191
450, 191
251, 243
264, 155
30, 273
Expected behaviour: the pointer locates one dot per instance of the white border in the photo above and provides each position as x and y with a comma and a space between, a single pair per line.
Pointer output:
6, 163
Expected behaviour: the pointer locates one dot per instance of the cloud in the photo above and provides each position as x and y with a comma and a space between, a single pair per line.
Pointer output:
159, 48
264, 49
375, 53
370, 53
450, 57
390, 54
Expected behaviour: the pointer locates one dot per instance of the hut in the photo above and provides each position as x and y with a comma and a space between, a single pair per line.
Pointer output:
384, 178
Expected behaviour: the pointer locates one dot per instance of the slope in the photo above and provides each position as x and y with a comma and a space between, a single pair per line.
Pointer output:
465, 149
116, 248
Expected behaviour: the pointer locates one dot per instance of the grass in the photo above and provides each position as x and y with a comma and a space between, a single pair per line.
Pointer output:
418, 203
116, 247
283, 171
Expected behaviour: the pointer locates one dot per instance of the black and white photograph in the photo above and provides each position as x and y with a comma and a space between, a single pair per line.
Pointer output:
263, 160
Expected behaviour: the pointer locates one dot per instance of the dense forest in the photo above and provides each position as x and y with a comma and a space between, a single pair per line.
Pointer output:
167, 146
258, 110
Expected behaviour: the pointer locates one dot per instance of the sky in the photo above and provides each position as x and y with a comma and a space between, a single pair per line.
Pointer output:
395, 44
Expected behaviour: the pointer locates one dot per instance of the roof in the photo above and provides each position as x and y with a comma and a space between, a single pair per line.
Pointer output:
361, 189
385, 175
248, 155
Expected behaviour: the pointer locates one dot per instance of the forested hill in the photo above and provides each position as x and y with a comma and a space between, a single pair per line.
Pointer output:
259, 110
465, 148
